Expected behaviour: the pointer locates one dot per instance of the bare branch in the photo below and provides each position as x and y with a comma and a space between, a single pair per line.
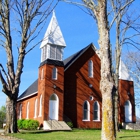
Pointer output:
120, 10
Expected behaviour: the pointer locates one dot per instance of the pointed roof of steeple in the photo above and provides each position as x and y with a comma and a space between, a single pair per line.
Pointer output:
53, 34
123, 72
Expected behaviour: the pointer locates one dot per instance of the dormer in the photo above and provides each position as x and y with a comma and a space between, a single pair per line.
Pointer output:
53, 42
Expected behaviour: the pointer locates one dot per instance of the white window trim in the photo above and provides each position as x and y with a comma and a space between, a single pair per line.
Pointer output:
27, 110
42, 74
20, 111
35, 109
40, 107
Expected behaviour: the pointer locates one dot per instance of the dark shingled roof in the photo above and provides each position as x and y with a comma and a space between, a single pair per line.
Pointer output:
33, 88
52, 62
66, 63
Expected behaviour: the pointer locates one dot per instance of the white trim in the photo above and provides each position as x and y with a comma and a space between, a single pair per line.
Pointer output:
85, 120
35, 108
27, 110
20, 111
40, 106
28, 96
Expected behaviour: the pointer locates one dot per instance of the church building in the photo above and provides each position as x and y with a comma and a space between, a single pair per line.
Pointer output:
69, 90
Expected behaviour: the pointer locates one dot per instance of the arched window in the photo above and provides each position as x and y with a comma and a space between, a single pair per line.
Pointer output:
40, 107
20, 111
128, 111
86, 111
54, 73
27, 110
35, 107
42, 74
90, 68
96, 111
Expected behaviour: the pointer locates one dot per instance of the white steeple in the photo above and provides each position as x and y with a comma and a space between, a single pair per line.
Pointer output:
53, 34
123, 72
53, 41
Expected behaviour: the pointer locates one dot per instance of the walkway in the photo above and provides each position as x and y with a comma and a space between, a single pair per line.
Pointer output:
3, 137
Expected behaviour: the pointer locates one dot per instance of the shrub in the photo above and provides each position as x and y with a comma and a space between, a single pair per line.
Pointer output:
20, 123
28, 124
70, 124
33, 124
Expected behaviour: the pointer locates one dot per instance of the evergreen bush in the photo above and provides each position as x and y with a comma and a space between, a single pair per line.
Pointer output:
20, 123
28, 124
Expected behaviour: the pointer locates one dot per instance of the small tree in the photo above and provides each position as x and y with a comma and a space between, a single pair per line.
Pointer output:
2, 116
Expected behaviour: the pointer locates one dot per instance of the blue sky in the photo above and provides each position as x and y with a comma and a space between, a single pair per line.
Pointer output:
79, 30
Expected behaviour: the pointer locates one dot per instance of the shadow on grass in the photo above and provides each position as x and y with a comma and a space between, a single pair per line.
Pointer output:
128, 136
40, 131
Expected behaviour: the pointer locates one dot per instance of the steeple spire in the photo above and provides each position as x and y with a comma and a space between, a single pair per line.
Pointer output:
53, 34
53, 42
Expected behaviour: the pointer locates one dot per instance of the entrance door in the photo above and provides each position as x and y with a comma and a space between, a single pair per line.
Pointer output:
53, 107
128, 111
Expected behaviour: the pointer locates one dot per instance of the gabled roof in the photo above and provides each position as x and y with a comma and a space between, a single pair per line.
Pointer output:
70, 60
31, 90
123, 72
53, 34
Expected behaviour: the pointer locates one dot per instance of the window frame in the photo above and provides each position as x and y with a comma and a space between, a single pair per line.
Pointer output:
90, 69
54, 73
96, 112
87, 111
40, 106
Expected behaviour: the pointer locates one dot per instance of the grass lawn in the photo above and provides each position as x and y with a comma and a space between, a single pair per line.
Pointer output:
76, 134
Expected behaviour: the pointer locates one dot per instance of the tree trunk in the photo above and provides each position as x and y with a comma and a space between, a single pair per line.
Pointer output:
11, 119
106, 84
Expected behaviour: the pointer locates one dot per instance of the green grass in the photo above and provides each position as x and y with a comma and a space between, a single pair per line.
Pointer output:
76, 134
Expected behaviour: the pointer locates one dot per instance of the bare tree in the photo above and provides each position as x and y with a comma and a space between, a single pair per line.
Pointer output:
29, 17
132, 63
99, 9
125, 22
106, 14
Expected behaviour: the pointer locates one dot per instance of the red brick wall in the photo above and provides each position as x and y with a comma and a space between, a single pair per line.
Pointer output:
31, 101
77, 90
46, 87
126, 92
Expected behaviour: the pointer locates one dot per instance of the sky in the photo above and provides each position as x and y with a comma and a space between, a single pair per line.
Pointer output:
79, 30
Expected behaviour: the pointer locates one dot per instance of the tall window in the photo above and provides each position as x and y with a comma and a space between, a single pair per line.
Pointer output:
40, 106
20, 111
90, 68
86, 111
96, 111
54, 73
27, 110
42, 74
35, 107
